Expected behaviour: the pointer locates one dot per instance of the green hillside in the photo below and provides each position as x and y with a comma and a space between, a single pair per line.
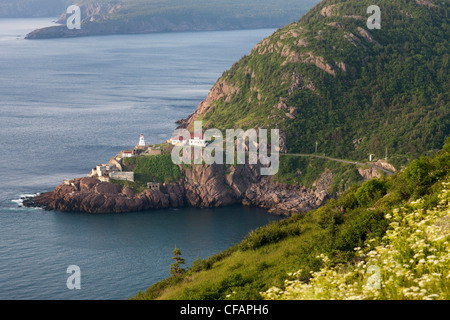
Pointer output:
323, 239
328, 78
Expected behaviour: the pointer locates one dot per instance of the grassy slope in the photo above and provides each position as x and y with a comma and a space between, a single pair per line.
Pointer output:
267, 254
148, 168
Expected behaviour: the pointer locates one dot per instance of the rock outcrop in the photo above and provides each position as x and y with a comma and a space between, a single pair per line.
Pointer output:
284, 199
93, 196
370, 173
221, 89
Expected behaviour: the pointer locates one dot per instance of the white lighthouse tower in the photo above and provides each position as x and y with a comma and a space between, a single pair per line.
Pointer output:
141, 141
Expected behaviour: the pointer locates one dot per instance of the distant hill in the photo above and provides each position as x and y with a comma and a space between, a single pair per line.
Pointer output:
32, 8
102, 17
329, 79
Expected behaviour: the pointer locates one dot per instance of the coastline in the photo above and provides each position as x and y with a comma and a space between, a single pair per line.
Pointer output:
201, 187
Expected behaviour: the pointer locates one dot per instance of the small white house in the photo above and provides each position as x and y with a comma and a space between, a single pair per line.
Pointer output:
177, 141
197, 140
127, 154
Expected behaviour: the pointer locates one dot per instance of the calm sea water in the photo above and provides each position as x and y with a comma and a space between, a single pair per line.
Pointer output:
69, 104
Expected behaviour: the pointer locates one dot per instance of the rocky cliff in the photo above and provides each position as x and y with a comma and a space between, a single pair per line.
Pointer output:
201, 186
93, 196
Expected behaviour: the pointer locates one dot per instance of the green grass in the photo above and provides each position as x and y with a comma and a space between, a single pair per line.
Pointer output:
157, 168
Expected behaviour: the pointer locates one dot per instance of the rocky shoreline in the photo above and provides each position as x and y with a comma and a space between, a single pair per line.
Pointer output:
202, 187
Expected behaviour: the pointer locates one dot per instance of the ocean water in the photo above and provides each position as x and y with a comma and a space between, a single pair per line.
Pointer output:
69, 104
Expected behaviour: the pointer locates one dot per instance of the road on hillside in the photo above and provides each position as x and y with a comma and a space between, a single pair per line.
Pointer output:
388, 172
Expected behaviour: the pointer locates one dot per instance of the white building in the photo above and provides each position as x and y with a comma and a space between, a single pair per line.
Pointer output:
141, 141
197, 140
177, 140
127, 154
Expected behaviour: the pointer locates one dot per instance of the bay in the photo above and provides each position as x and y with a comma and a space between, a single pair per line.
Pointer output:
69, 104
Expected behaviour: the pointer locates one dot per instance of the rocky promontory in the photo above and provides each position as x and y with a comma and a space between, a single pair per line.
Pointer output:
201, 186
93, 196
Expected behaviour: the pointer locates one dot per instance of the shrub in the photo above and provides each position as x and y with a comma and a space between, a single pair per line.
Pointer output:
270, 233
417, 176
370, 191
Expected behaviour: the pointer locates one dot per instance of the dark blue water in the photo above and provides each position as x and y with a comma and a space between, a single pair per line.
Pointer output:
69, 104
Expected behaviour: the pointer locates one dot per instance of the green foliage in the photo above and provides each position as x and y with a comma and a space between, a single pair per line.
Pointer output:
270, 233
421, 175
370, 191
157, 168
199, 264
305, 171
175, 268
411, 261
156, 289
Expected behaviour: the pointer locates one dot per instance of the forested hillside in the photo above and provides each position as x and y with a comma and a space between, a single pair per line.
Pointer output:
330, 79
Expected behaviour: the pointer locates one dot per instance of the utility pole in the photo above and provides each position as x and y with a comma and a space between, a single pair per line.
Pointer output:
386, 155
316, 146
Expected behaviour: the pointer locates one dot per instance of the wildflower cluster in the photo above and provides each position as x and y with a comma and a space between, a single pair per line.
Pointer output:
412, 261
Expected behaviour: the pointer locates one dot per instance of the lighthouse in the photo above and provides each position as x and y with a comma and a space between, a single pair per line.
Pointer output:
141, 141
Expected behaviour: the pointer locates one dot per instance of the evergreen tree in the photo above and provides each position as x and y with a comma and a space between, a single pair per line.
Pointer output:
175, 268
